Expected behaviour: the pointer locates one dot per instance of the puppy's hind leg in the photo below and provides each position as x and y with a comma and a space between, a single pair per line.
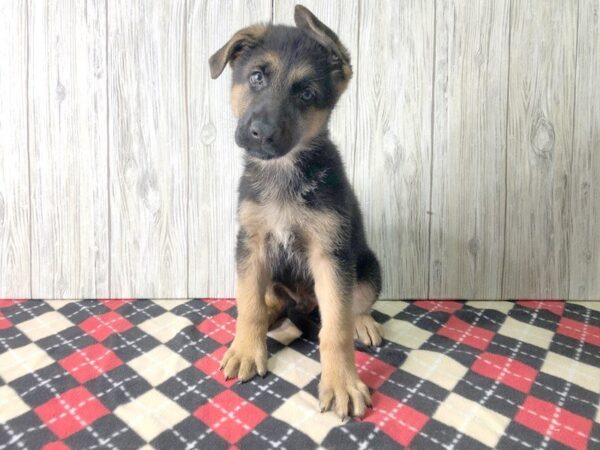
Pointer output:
276, 304
364, 295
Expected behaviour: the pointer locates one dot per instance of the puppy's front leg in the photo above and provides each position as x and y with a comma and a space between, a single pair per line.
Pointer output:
340, 387
247, 355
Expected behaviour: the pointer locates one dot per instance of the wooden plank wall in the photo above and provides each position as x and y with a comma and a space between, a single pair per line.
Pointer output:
15, 211
68, 149
471, 132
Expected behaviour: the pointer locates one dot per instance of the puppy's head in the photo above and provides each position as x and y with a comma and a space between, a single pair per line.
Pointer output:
286, 81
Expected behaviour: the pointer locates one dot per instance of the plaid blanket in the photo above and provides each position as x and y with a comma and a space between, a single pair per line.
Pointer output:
124, 374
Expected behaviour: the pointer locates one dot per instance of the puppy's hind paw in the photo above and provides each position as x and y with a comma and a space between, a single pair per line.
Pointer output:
367, 330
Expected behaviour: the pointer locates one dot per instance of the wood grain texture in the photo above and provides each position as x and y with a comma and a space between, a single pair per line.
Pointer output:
471, 132
342, 17
67, 134
393, 146
15, 251
584, 242
215, 160
148, 148
540, 131
471, 73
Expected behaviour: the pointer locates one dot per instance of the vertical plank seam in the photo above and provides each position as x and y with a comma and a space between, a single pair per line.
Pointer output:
272, 10
502, 291
108, 174
27, 99
356, 124
430, 212
187, 144
570, 176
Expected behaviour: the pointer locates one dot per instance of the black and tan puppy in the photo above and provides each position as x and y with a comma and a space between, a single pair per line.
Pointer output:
301, 234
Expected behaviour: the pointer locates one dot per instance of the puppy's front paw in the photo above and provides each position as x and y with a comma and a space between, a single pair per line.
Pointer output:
345, 394
244, 359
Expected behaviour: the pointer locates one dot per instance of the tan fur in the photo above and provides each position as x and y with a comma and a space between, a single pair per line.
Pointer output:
300, 72
341, 86
274, 61
226, 54
316, 120
280, 218
248, 352
367, 330
275, 305
239, 99
363, 297
340, 386
303, 296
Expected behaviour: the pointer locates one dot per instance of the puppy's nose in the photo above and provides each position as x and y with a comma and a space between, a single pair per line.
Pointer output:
262, 131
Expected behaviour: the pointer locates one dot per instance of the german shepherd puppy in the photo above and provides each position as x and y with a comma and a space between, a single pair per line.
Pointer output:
301, 234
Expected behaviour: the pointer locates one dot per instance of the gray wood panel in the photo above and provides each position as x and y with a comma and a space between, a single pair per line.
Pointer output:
68, 149
584, 241
148, 148
393, 145
468, 178
15, 280
540, 132
471, 132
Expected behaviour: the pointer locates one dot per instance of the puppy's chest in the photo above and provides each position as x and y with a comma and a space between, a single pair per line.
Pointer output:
283, 226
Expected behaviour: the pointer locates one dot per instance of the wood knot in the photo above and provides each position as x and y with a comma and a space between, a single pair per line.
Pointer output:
208, 134
473, 246
542, 137
61, 92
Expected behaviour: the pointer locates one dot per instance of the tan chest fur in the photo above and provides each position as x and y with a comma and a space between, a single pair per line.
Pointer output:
288, 222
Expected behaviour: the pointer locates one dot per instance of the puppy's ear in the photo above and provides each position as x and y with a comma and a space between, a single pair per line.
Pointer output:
245, 38
339, 58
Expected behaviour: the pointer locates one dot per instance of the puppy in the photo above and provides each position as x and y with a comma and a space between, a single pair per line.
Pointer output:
301, 234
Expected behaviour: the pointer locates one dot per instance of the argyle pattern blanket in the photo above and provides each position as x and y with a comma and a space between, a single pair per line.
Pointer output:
128, 374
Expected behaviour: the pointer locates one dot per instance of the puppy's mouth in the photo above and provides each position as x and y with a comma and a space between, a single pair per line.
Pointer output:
264, 152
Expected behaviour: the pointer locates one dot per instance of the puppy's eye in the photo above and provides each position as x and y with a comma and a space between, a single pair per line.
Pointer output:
256, 79
307, 95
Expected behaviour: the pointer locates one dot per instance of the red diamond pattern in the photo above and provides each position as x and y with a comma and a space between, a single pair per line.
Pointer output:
8, 302
397, 420
230, 416
554, 306
557, 410
71, 411
222, 304
114, 303
445, 306
466, 333
90, 362
372, 371
4, 322
579, 331
513, 373
57, 445
103, 325
564, 426
221, 328
210, 364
